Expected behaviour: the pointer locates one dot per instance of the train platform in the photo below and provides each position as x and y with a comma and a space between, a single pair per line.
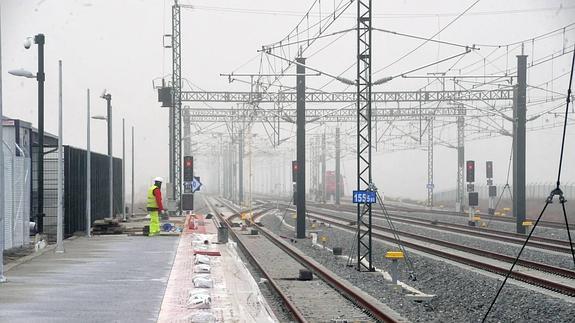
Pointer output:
113, 278
123, 278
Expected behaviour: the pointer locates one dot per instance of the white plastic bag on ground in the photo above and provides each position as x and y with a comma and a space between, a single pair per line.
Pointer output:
202, 259
203, 317
202, 301
203, 282
202, 268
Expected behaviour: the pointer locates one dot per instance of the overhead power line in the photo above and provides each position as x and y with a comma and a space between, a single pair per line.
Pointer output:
392, 15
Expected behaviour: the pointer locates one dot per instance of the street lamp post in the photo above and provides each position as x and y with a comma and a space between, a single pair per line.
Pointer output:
40, 40
40, 77
88, 169
132, 208
60, 211
108, 98
123, 169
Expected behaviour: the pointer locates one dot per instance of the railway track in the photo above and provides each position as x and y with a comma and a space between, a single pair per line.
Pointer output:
507, 219
496, 235
368, 304
549, 278
407, 209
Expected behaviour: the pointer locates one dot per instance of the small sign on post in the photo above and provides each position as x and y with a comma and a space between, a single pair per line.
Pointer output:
196, 184
364, 197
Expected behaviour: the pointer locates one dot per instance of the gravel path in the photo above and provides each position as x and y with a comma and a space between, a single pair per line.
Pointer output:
461, 295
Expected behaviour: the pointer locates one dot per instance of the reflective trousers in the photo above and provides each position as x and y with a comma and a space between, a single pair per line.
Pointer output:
154, 223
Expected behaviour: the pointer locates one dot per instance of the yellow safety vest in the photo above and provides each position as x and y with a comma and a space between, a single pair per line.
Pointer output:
152, 198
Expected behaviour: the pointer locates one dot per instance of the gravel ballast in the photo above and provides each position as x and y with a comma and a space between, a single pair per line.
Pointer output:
542, 231
532, 254
461, 295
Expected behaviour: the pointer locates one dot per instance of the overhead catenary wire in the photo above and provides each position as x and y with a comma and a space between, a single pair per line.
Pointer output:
278, 78
428, 39
387, 15
422, 38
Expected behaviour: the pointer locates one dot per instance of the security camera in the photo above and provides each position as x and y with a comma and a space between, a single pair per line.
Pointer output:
28, 43
103, 96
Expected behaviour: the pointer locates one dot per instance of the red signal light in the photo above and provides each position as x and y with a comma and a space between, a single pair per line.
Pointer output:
470, 171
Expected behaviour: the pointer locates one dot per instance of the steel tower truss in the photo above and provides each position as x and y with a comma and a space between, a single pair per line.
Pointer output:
322, 114
364, 241
176, 111
348, 97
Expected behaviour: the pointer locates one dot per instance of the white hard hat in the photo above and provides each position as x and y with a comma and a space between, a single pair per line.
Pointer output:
158, 179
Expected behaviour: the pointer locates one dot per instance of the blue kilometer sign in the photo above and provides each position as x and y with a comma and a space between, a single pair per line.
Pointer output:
364, 197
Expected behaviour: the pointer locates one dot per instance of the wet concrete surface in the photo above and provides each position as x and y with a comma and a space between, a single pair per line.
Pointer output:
100, 279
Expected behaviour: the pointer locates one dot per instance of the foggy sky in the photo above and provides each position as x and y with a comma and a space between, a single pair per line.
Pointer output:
117, 45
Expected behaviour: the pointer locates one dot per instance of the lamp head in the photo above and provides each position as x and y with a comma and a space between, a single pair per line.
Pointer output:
23, 73
28, 42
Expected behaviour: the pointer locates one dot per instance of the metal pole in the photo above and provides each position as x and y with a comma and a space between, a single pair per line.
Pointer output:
337, 166
460, 164
430, 164
219, 172
241, 167
172, 189
132, 206
519, 143
300, 124
60, 215
2, 187
88, 169
123, 169
40, 40
323, 167
110, 156
187, 140
228, 174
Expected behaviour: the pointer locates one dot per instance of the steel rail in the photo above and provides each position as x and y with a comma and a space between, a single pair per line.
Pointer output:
516, 238
555, 225
487, 254
547, 284
297, 314
339, 284
549, 224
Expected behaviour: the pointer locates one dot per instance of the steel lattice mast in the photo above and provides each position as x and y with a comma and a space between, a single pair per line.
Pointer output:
364, 180
176, 110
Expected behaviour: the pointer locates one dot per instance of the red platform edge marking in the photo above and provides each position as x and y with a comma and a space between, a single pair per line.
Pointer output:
207, 252
199, 227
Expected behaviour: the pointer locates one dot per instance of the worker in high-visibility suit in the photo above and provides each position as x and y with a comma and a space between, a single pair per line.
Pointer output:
155, 206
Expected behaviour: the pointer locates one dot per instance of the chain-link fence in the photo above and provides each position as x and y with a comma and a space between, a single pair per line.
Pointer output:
17, 177
20, 191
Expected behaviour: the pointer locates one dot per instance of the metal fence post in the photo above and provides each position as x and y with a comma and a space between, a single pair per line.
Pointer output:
2, 213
